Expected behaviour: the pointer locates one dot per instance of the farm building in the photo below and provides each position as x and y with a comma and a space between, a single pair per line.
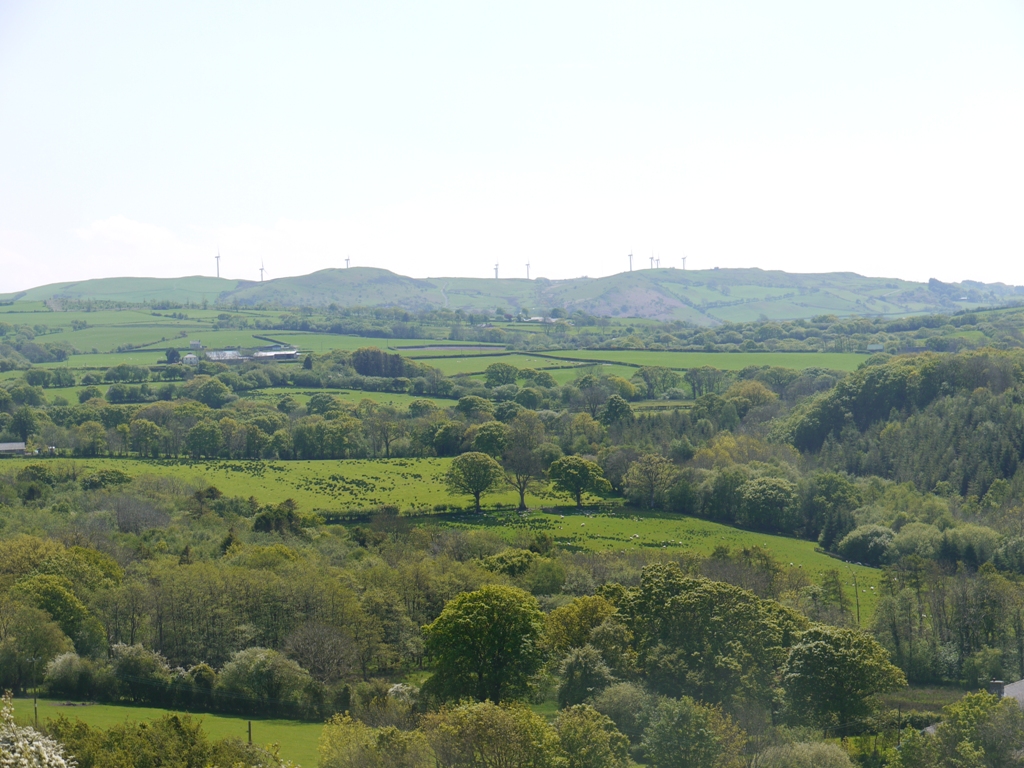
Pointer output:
266, 355
12, 449
195, 344
190, 359
225, 356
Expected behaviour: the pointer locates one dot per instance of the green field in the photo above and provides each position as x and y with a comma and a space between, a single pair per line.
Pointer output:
410, 484
297, 740
414, 485
840, 361
625, 529
349, 396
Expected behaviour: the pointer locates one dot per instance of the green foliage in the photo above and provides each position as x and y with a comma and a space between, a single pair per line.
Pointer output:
831, 672
870, 544
629, 706
474, 474
576, 476
685, 734
172, 740
485, 644
584, 675
590, 739
803, 755
265, 678
707, 639
570, 626
979, 731
484, 734
346, 742
105, 478
500, 374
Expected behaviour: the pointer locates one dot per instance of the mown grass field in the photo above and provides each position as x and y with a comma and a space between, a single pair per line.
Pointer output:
297, 740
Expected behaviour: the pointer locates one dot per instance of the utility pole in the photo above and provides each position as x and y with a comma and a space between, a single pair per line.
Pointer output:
856, 592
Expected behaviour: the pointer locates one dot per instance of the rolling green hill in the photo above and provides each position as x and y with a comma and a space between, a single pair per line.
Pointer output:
704, 297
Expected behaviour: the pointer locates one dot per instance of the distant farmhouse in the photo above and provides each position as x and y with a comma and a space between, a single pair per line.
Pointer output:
12, 449
265, 355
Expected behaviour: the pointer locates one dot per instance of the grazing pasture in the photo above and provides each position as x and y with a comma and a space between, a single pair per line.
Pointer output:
416, 486
727, 361
296, 740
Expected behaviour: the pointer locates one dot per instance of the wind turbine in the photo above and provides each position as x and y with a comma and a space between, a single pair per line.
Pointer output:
630, 262
262, 270
657, 263
652, 261
218, 262
684, 262
527, 270
347, 260
495, 271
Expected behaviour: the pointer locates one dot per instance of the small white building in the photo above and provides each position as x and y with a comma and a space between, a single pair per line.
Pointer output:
190, 359
195, 344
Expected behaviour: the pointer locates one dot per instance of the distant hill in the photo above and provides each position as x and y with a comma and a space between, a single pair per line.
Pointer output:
705, 297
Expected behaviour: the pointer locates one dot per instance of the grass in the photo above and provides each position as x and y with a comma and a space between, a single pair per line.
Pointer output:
840, 361
925, 698
410, 484
351, 397
297, 740
625, 529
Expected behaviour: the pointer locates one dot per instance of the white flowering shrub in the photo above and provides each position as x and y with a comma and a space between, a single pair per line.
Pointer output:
26, 747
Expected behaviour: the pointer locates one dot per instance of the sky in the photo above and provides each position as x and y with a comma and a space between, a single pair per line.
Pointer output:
441, 138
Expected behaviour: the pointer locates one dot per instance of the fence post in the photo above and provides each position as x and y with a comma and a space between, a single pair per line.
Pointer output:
250, 731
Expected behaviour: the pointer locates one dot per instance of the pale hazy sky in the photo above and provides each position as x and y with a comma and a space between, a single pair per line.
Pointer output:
436, 138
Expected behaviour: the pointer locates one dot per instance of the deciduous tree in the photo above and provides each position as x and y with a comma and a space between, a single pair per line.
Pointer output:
486, 644
474, 474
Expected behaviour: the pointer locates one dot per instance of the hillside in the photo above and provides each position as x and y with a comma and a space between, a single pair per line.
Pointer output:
704, 297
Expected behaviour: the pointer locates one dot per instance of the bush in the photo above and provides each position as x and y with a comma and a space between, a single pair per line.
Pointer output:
628, 705
142, 675
584, 675
105, 478
803, 755
262, 680
868, 544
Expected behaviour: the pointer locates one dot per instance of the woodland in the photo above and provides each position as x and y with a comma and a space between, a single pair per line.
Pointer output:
427, 637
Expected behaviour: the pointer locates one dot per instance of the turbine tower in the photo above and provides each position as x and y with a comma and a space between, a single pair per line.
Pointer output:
630, 262
657, 263
652, 261
218, 262
262, 270
347, 260
495, 271
527, 270
684, 262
